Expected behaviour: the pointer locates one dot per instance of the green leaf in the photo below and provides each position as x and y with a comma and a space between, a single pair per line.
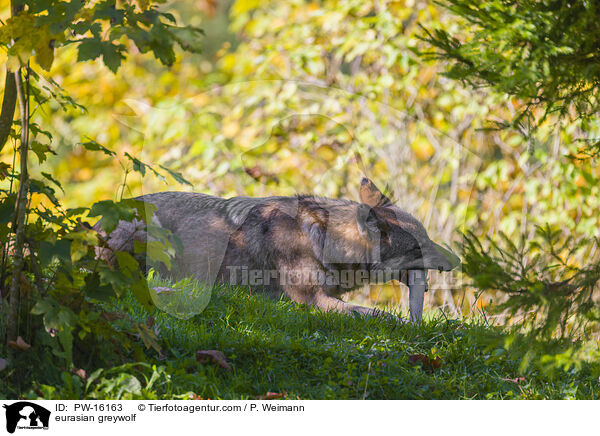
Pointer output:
128, 383
156, 251
127, 262
109, 213
94, 289
112, 55
116, 279
148, 337
142, 292
49, 251
53, 180
76, 211
112, 212
89, 49
7, 208
176, 175
41, 150
138, 165
42, 306
94, 146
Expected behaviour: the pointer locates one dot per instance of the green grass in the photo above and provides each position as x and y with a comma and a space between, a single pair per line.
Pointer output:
276, 346
280, 346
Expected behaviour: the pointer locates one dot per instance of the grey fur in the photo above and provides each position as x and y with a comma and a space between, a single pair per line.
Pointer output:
286, 235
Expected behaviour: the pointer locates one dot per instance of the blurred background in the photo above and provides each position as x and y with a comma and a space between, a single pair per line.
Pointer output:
307, 97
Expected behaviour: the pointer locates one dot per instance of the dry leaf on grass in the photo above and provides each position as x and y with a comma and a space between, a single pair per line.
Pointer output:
212, 356
427, 362
19, 344
272, 396
515, 380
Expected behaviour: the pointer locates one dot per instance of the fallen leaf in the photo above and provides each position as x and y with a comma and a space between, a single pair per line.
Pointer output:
3, 364
148, 336
515, 380
212, 356
272, 396
427, 362
19, 344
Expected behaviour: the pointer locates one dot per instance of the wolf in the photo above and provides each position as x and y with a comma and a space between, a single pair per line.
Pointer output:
311, 249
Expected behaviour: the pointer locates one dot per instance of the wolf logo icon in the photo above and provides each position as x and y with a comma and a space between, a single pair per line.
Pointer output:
26, 415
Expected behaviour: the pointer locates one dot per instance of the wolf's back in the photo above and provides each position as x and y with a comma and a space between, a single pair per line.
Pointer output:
204, 225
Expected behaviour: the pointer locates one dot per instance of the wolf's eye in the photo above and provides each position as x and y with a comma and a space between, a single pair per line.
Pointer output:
415, 249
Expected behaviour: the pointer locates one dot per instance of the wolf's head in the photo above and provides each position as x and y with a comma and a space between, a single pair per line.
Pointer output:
402, 240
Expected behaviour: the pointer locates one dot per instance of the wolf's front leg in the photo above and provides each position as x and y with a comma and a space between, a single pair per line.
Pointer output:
327, 303
306, 288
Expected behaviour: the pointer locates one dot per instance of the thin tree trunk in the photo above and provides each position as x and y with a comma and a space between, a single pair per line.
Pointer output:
8, 107
10, 90
6, 120
20, 209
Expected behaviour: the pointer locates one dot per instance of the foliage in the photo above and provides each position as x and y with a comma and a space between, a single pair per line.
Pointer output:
69, 277
63, 279
544, 53
97, 28
540, 53
546, 288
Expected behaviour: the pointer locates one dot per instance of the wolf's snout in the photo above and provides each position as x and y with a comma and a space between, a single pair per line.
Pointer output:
437, 257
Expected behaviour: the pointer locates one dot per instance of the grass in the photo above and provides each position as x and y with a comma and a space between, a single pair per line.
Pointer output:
299, 352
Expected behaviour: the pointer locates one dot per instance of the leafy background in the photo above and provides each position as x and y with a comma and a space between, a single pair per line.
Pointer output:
291, 97
300, 96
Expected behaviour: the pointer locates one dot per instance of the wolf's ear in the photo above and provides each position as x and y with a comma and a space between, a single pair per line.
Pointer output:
370, 195
367, 222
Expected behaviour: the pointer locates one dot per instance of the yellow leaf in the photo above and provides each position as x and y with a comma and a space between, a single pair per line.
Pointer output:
44, 55
13, 63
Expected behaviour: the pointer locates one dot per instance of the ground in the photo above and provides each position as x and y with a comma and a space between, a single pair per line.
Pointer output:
296, 352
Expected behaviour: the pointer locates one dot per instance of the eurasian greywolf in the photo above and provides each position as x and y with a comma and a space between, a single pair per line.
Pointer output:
309, 248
